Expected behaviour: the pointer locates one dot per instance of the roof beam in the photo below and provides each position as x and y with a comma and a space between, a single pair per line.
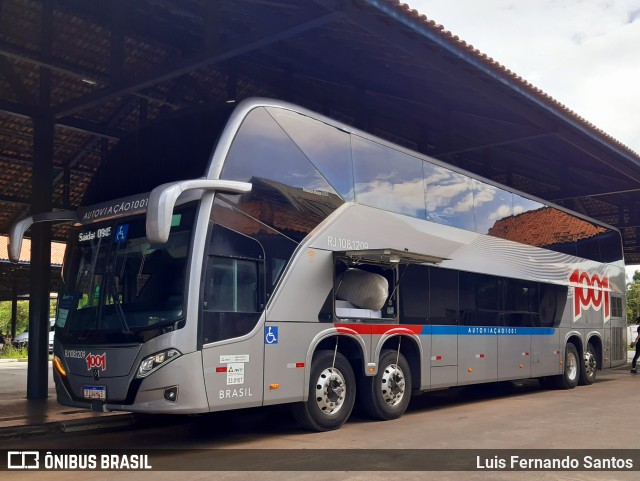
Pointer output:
396, 38
15, 82
94, 128
173, 69
15, 200
497, 143
31, 57
16, 109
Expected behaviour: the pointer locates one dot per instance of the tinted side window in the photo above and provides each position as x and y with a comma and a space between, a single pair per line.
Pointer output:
278, 249
522, 204
289, 194
233, 296
449, 197
232, 285
328, 148
261, 150
521, 303
480, 299
387, 179
610, 246
414, 294
490, 205
443, 296
552, 303
616, 306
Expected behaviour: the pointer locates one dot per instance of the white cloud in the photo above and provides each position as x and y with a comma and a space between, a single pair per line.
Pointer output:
583, 53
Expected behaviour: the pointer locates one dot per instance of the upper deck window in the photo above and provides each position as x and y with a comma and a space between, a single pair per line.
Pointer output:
449, 197
303, 168
289, 193
328, 148
262, 150
388, 179
490, 204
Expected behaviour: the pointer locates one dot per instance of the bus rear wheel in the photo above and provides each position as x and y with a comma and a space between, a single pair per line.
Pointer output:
572, 368
332, 393
387, 394
589, 367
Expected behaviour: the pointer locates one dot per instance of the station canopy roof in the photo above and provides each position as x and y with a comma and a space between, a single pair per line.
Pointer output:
101, 70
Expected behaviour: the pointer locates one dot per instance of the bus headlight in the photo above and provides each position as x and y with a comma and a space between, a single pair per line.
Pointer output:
155, 361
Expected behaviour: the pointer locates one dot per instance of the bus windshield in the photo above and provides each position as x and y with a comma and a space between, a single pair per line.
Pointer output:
116, 281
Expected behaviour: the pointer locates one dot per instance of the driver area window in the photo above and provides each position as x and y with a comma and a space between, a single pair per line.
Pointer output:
233, 295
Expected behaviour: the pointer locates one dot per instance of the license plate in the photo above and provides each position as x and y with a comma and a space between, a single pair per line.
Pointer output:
95, 392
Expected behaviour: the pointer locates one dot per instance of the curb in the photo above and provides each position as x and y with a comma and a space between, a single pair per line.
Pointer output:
22, 359
71, 426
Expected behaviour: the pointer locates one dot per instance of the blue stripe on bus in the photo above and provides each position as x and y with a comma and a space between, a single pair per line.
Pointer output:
486, 331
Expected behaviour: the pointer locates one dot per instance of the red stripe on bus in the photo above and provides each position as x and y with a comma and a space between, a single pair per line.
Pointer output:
299, 364
378, 329
221, 369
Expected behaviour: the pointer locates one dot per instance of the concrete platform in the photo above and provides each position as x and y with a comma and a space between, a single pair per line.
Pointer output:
21, 418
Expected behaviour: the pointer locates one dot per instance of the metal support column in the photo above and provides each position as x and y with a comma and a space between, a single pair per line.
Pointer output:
40, 279
41, 201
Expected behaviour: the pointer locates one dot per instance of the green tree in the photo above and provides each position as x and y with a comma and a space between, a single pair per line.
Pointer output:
633, 298
22, 316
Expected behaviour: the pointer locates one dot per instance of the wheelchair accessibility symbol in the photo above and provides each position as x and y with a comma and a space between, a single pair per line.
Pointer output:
121, 233
271, 335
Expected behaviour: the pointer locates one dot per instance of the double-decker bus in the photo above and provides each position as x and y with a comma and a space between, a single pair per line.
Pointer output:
273, 255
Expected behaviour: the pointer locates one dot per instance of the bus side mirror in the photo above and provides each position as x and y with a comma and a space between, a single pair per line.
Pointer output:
163, 199
17, 230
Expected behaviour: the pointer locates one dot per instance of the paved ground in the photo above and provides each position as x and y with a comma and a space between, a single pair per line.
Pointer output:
21, 418
495, 416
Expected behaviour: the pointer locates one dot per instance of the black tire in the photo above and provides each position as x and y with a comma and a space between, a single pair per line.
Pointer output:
387, 394
332, 394
547, 382
572, 369
589, 366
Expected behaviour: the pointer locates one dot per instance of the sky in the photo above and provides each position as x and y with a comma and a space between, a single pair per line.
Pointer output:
583, 53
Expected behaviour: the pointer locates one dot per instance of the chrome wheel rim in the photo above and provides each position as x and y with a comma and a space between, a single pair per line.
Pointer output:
331, 390
392, 385
572, 366
589, 363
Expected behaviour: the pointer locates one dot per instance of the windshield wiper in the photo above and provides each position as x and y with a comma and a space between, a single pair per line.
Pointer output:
110, 286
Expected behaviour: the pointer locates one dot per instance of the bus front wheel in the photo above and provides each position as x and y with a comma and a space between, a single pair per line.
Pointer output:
387, 394
332, 393
572, 368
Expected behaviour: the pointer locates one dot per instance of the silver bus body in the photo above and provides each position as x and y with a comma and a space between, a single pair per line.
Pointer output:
260, 318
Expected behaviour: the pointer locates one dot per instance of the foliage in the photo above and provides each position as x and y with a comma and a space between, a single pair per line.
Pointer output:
22, 317
22, 321
10, 352
633, 298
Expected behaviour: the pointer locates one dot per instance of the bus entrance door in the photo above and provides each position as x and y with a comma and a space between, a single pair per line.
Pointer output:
233, 373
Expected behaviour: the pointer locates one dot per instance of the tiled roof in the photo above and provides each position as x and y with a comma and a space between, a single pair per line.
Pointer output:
544, 227
57, 251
